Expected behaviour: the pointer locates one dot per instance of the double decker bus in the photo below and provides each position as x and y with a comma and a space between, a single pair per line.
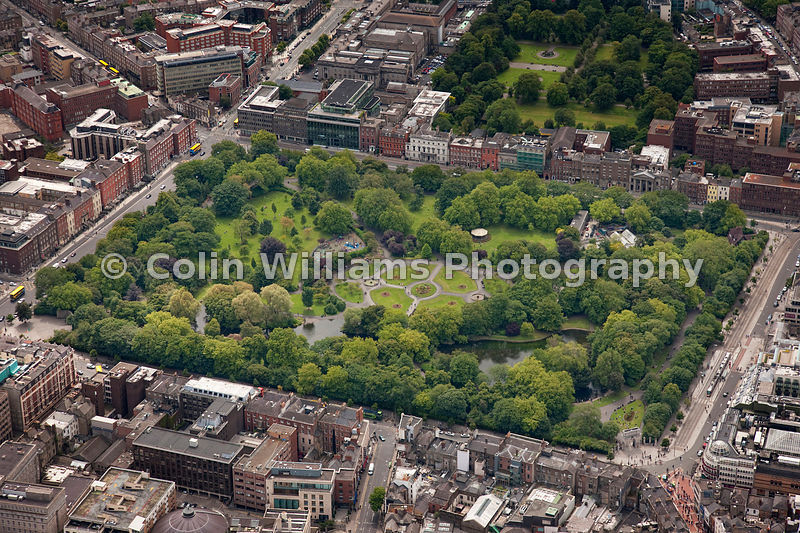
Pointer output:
194, 149
17, 293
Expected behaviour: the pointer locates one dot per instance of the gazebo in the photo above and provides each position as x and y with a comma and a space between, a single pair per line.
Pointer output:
480, 234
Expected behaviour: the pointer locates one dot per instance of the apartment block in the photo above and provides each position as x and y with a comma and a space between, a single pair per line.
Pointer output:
274, 408
197, 463
251, 472
223, 32
306, 486
48, 373
115, 393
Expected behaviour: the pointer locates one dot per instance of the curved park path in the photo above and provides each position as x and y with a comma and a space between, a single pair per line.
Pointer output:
438, 290
537, 66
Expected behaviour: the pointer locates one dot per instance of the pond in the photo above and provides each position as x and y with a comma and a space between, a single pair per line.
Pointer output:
329, 326
491, 353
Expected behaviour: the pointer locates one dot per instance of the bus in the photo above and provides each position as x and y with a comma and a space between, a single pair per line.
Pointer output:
103, 63
373, 414
195, 149
17, 293
112, 69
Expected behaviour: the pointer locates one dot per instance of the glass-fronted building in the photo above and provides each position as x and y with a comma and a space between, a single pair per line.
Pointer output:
336, 121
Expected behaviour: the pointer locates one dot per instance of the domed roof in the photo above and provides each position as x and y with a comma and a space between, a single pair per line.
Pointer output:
190, 520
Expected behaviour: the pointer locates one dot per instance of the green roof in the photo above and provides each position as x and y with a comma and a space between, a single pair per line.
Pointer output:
125, 87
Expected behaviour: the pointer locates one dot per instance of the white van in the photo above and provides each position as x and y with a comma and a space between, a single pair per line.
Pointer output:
371, 469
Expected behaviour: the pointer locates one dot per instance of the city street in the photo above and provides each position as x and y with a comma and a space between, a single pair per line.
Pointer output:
326, 24
365, 520
750, 327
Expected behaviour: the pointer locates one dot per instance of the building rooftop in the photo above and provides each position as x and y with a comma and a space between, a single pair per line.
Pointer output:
732, 60
121, 496
34, 495
770, 181
782, 441
187, 444
11, 454
346, 93
220, 389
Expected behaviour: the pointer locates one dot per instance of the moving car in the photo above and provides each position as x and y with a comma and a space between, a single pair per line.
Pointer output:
163, 187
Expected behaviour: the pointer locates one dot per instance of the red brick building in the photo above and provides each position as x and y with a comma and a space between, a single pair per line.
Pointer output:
392, 141
130, 101
779, 195
466, 152
490, 150
743, 63
40, 115
368, 135
229, 85
223, 32
661, 133
77, 103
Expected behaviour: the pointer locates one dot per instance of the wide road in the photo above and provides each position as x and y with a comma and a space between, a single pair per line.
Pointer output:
306, 38
751, 324
365, 520
86, 243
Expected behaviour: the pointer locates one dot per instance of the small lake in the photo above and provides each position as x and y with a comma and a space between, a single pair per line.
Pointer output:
329, 326
491, 353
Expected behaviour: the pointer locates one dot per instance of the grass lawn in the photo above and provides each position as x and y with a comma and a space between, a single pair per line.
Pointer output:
495, 285
617, 115
629, 416
391, 297
529, 50
299, 309
423, 290
606, 52
408, 277
509, 76
349, 292
427, 212
308, 236
459, 283
502, 233
609, 399
440, 302
578, 322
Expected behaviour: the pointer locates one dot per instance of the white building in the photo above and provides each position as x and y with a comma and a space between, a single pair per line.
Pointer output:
428, 104
429, 146
64, 424
215, 388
